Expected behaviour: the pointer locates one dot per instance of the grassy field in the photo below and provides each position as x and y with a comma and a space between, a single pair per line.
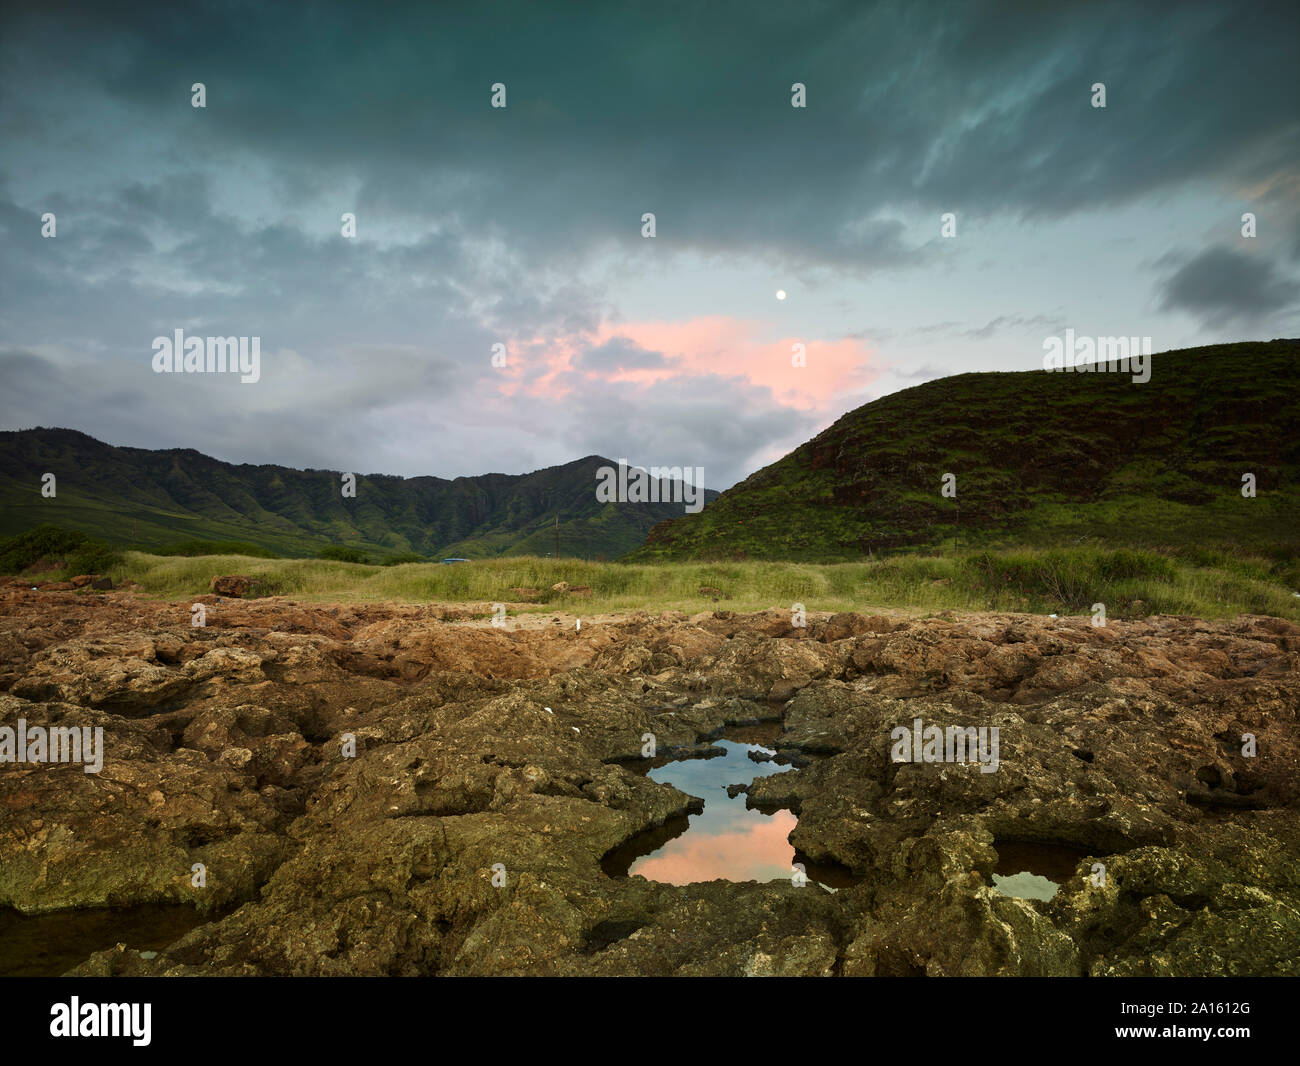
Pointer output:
1065, 581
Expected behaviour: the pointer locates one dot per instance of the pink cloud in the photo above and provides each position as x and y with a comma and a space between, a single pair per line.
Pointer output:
726, 347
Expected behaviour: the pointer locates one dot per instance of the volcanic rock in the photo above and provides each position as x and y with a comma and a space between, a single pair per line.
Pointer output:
401, 789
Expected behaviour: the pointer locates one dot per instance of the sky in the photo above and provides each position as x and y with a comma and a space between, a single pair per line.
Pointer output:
522, 225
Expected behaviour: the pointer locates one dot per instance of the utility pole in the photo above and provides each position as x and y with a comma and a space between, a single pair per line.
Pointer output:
557, 534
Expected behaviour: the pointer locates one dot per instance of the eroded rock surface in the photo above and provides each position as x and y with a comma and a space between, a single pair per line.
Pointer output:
486, 755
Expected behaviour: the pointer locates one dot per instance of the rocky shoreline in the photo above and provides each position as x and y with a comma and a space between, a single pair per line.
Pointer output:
490, 779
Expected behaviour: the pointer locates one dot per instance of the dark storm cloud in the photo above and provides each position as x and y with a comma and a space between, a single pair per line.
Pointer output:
1220, 285
212, 272
479, 226
684, 110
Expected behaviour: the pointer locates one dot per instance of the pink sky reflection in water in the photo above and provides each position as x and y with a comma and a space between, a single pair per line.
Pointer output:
758, 852
727, 841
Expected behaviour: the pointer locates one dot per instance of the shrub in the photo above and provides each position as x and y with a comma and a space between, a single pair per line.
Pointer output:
1126, 563
404, 557
341, 553
192, 548
76, 551
93, 559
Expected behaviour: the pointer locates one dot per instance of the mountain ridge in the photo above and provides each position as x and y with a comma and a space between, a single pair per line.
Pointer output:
153, 497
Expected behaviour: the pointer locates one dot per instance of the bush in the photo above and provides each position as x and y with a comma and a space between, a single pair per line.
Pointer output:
192, 548
93, 559
1126, 563
994, 573
75, 551
405, 557
341, 553
1067, 580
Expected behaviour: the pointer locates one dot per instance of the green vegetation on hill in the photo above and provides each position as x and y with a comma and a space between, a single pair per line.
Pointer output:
152, 499
1041, 460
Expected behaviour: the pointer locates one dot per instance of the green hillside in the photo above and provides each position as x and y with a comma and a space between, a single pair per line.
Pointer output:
1041, 460
151, 499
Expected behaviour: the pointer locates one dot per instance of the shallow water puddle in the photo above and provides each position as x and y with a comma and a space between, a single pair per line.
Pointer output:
47, 945
1030, 870
727, 841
